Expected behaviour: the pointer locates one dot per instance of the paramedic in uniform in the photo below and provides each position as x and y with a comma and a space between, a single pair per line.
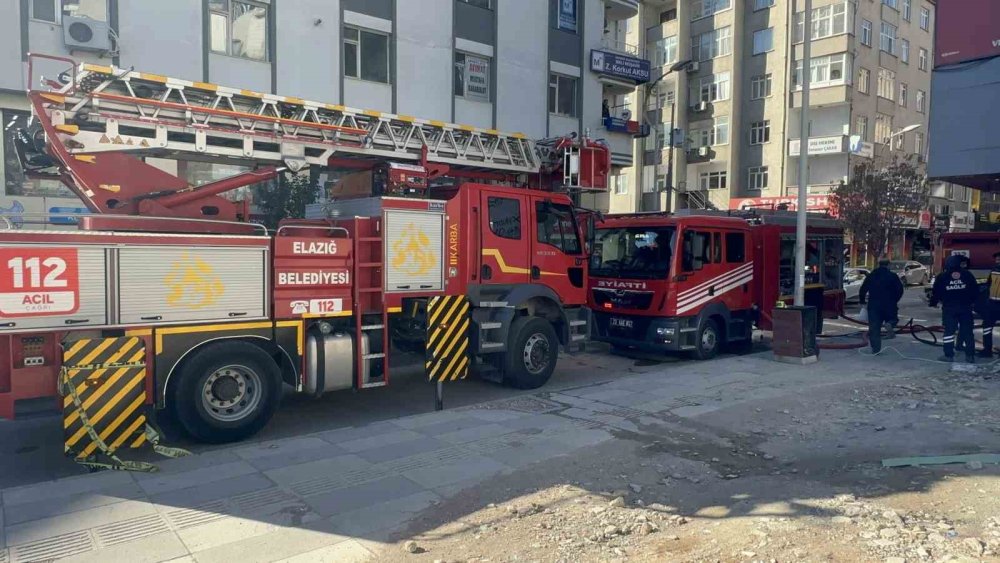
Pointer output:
991, 313
956, 289
883, 290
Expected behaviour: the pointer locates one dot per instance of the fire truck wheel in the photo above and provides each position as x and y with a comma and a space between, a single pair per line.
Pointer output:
531, 354
709, 340
226, 392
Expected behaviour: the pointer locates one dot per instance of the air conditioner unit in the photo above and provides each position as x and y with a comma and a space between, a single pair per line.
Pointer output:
701, 106
702, 151
86, 34
692, 67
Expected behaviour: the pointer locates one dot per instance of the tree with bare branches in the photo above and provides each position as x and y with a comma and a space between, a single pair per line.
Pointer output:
879, 201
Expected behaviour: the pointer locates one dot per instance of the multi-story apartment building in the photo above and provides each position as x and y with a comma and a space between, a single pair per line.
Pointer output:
527, 66
734, 98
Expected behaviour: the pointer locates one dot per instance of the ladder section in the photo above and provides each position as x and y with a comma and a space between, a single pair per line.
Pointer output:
106, 108
371, 320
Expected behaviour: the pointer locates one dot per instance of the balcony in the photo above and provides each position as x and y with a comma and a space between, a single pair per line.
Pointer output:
818, 146
615, 10
611, 42
620, 131
619, 72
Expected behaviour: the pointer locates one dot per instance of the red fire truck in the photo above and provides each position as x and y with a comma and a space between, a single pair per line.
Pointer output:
467, 243
695, 281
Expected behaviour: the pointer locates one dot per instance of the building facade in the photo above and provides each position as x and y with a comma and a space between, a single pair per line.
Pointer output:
513, 65
735, 107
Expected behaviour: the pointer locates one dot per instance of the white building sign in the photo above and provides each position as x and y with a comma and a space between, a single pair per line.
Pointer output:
818, 145
477, 78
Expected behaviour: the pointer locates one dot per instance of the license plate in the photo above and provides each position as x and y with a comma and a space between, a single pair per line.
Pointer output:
621, 323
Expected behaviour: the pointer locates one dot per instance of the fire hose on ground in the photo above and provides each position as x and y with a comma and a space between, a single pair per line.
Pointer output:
920, 333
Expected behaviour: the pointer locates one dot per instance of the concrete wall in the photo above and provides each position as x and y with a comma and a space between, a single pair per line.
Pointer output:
166, 41
308, 52
425, 59
11, 68
522, 67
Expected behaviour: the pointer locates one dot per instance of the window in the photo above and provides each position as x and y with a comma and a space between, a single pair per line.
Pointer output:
864, 80
620, 182
922, 59
826, 21
826, 71
714, 133
366, 55
861, 127
660, 99
695, 252
904, 50
705, 8
665, 51
925, 19
903, 94
713, 180
883, 128
562, 95
472, 77
757, 178
711, 44
760, 86
760, 132
762, 4
886, 84
487, 4
906, 10
891, 3
712, 88
505, 217
866, 33
898, 142
921, 101
763, 40
52, 10
238, 28
668, 15
918, 144
887, 38
556, 226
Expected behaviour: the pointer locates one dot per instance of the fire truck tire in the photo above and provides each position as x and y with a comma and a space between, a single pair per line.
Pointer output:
226, 392
709, 340
532, 352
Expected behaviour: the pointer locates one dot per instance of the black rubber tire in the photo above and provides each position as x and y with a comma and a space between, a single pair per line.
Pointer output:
701, 351
516, 373
184, 395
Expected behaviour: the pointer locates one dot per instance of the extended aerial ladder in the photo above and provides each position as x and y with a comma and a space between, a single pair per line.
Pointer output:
98, 122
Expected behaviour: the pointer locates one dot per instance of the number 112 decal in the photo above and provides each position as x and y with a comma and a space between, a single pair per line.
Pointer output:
39, 281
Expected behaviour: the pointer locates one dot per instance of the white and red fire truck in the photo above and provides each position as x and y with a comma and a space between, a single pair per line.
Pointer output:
465, 240
696, 281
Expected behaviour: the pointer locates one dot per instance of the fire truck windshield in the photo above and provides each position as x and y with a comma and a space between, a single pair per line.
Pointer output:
633, 252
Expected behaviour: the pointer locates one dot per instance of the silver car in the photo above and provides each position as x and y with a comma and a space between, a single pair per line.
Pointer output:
853, 278
910, 272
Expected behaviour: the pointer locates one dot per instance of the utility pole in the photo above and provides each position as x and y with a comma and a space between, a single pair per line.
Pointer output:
680, 65
800, 223
670, 154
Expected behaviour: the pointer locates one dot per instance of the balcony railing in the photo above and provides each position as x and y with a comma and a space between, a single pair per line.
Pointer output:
615, 44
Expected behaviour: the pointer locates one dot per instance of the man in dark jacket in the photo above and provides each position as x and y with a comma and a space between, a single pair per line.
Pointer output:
956, 289
884, 289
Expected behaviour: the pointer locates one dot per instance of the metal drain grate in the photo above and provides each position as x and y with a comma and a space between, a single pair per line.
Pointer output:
136, 528
55, 547
522, 404
3, 555
190, 517
258, 499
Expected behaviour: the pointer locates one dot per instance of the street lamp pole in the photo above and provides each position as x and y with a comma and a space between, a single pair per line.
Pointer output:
800, 223
680, 65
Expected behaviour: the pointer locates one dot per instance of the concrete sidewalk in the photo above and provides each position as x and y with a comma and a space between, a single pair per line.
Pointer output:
337, 495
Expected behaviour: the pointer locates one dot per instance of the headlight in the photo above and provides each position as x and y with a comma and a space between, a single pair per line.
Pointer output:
665, 331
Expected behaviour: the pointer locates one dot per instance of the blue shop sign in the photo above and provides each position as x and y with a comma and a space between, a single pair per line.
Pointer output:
622, 66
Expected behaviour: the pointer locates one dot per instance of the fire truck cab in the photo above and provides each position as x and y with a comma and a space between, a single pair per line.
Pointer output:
698, 281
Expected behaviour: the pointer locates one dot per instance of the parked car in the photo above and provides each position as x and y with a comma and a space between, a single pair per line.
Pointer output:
910, 272
853, 278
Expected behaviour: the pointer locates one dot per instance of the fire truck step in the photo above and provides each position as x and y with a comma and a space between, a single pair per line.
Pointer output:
495, 304
493, 346
577, 337
373, 356
373, 384
578, 323
372, 327
490, 325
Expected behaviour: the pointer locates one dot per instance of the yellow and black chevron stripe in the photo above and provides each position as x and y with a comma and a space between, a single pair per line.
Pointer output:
447, 338
108, 380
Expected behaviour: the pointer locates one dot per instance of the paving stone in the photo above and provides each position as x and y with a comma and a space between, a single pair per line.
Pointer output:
466, 435
295, 457
432, 477
352, 498
387, 439
285, 446
200, 494
419, 421
190, 463
275, 545
496, 415
223, 531
349, 433
164, 482
385, 516
450, 425
316, 469
152, 549
404, 449
349, 551
36, 530
521, 456
62, 488
44, 508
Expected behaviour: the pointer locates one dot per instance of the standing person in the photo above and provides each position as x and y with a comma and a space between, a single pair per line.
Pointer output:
991, 313
885, 289
605, 109
956, 289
